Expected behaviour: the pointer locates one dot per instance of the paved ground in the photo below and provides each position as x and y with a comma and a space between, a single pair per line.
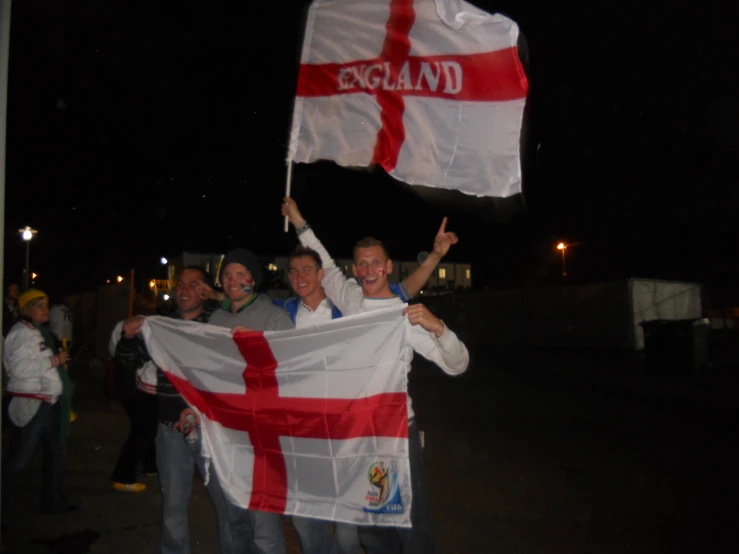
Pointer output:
527, 453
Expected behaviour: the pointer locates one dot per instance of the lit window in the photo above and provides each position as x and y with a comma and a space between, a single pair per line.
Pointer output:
468, 274
442, 273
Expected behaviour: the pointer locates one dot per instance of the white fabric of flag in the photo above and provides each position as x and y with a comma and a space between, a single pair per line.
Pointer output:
431, 90
310, 422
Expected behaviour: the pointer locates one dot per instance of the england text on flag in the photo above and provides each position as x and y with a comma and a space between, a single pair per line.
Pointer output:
432, 90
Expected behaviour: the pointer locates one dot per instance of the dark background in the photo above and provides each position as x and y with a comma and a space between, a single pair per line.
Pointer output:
141, 129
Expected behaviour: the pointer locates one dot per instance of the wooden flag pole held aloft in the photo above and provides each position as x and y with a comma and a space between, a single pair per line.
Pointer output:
287, 190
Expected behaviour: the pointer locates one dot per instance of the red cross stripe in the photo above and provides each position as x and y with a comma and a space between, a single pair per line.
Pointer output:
266, 416
484, 77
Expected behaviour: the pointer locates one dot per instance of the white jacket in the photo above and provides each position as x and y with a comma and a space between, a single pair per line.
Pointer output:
29, 363
146, 375
446, 351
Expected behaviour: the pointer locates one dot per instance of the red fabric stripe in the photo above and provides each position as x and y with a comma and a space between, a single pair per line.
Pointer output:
44, 397
487, 77
269, 480
266, 416
382, 415
397, 46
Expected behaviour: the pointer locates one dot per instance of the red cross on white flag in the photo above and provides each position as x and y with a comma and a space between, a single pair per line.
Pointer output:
432, 90
296, 422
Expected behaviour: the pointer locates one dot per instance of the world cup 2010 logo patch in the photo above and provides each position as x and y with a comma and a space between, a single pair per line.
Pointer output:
383, 494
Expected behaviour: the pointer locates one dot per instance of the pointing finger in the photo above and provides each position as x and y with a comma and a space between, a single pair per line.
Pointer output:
442, 229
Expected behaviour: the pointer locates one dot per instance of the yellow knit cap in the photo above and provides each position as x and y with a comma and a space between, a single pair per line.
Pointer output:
29, 296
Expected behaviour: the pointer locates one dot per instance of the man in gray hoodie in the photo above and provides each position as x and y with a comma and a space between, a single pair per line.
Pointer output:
246, 309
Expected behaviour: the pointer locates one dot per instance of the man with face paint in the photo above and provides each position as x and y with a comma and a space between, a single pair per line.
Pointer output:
427, 335
245, 308
311, 307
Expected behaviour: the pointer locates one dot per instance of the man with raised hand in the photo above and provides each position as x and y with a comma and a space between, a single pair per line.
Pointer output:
310, 296
427, 335
177, 454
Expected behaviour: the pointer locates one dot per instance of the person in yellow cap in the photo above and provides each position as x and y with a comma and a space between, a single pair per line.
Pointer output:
41, 393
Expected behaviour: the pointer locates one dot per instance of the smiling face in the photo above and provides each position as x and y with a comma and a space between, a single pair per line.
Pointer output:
371, 268
187, 295
305, 277
234, 280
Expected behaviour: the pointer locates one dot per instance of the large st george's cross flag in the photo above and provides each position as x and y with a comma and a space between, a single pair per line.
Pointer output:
312, 422
431, 90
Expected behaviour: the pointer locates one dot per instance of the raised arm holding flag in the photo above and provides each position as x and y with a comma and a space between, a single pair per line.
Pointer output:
426, 335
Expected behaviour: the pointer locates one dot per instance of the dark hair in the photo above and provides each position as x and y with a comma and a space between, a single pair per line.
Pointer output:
206, 276
305, 252
369, 242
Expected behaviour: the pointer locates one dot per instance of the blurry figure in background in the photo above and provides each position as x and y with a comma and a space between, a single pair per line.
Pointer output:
41, 394
10, 309
60, 320
140, 402
10, 316
60, 324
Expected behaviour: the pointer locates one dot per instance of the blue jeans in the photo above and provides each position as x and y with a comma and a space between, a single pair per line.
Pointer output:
269, 537
346, 539
176, 462
314, 538
45, 426
419, 538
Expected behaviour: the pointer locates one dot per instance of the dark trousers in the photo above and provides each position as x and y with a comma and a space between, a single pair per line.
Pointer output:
419, 538
44, 427
140, 446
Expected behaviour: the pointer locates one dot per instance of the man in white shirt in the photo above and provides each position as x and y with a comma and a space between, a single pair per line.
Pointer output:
427, 335
312, 307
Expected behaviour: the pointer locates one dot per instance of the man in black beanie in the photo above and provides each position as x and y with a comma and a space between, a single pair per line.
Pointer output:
241, 276
245, 306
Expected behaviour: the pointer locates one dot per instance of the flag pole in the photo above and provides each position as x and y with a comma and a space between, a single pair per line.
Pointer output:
287, 189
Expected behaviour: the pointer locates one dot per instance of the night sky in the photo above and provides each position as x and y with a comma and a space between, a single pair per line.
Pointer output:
141, 129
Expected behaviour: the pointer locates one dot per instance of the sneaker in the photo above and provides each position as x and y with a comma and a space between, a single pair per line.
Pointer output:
129, 487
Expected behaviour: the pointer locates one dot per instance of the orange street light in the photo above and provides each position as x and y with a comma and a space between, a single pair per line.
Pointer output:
562, 247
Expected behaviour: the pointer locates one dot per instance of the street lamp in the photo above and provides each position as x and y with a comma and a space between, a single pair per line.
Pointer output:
163, 260
27, 235
563, 248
